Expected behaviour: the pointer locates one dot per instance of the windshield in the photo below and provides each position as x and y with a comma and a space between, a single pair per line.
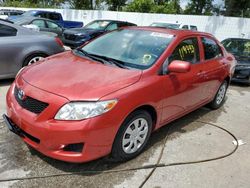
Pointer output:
97, 25
135, 48
22, 21
237, 47
166, 25
29, 13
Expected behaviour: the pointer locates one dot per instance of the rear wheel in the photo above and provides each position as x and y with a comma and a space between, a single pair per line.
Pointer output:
220, 96
33, 59
132, 136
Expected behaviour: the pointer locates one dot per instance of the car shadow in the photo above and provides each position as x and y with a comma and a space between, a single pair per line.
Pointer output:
6, 82
173, 130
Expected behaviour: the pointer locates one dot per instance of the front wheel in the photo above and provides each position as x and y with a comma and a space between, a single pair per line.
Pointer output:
33, 59
220, 96
132, 136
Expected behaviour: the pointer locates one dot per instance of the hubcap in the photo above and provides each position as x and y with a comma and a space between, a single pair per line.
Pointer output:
135, 135
35, 59
221, 94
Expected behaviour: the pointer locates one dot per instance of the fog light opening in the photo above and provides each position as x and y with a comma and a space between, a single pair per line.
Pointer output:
76, 147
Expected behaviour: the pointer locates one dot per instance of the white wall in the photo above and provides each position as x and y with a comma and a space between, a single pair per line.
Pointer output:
220, 26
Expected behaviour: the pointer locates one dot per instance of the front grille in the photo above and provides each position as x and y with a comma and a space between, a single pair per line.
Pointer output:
70, 36
30, 104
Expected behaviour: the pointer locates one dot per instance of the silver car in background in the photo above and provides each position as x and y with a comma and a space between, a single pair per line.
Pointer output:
20, 47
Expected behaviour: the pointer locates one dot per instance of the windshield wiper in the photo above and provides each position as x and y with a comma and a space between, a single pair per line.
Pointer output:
116, 62
90, 55
103, 59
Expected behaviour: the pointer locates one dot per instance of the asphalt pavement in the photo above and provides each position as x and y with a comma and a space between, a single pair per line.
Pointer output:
182, 141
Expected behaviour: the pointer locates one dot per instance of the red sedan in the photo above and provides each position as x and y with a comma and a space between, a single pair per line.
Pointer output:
109, 95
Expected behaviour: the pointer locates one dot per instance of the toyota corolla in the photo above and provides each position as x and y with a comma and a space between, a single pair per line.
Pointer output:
107, 97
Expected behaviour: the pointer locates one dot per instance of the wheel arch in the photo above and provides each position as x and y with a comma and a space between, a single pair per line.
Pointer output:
32, 54
151, 110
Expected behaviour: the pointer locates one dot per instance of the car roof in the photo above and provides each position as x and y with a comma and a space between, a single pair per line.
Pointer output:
118, 21
45, 11
239, 39
20, 29
176, 32
30, 18
168, 22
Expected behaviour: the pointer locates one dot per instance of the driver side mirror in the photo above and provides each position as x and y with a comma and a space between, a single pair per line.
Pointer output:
178, 66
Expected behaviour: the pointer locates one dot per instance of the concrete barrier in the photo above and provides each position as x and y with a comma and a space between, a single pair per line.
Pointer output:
220, 26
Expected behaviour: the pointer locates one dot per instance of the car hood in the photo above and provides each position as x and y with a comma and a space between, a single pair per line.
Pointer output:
81, 31
243, 60
77, 78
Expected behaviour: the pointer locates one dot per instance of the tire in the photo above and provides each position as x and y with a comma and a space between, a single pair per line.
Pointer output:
131, 142
35, 57
219, 98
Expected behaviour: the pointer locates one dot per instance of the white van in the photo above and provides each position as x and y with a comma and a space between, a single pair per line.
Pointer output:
174, 25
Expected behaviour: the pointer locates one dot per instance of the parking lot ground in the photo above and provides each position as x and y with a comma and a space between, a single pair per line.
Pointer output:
188, 140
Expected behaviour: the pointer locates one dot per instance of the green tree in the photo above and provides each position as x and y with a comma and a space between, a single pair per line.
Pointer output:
199, 7
81, 4
237, 8
140, 6
115, 4
168, 7
33, 3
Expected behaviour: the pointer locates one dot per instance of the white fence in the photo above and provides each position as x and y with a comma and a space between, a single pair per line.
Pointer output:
220, 26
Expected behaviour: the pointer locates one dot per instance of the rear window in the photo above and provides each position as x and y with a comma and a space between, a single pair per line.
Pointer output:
7, 31
54, 16
211, 48
192, 27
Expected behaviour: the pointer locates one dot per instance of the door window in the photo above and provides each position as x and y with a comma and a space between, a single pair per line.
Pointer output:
112, 27
54, 16
52, 25
39, 23
194, 28
187, 50
7, 31
185, 27
211, 49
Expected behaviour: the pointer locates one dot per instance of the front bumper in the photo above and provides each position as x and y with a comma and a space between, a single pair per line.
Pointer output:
242, 74
72, 44
50, 136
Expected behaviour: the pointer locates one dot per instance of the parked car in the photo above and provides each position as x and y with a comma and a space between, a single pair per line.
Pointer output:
5, 13
240, 48
174, 26
20, 46
45, 25
78, 36
55, 16
108, 96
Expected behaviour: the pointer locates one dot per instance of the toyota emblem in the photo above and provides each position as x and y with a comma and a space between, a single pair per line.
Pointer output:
21, 94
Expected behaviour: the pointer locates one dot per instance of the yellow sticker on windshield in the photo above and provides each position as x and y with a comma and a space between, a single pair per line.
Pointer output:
146, 59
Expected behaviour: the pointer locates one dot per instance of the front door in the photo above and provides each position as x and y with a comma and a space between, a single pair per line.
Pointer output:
184, 91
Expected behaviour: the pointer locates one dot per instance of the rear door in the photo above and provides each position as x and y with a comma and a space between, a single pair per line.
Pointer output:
7, 50
184, 91
215, 66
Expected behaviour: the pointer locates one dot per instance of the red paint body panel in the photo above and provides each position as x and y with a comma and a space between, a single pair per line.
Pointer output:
67, 77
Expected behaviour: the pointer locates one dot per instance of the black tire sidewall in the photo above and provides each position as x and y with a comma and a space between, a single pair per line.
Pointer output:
117, 151
214, 104
26, 61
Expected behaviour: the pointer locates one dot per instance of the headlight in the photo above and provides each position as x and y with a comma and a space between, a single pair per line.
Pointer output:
84, 110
